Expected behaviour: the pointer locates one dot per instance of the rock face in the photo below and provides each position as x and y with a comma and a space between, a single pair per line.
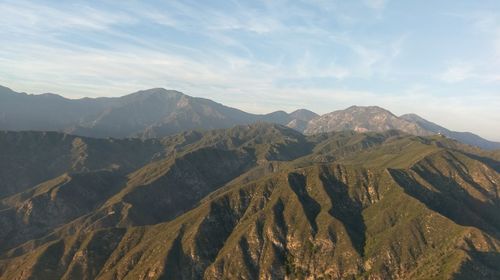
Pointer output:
362, 119
373, 118
256, 201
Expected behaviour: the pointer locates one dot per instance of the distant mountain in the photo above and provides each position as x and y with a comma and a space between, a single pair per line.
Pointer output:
148, 113
300, 118
464, 137
362, 119
20, 111
303, 115
373, 118
257, 201
158, 112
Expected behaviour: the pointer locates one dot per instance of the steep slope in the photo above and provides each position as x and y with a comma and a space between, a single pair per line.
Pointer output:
265, 202
194, 165
202, 167
36, 212
362, 119
464, 137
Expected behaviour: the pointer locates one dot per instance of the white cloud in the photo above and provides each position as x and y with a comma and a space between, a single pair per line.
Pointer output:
22, 17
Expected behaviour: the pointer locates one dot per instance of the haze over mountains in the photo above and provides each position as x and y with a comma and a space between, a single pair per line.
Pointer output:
159, 112
149, 113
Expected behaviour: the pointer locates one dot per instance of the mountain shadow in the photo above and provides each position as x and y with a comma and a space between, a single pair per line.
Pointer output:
451, 201
311, 207
482, 265
345, 209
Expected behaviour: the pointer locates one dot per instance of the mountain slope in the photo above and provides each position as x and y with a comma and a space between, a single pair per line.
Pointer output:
362, 119
464, 137
300, 118
149, 113
158, 112
20, 111
29, 158
263, 201
373, 118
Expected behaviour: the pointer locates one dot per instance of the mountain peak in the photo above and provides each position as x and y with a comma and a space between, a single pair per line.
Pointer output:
303, 115
158, 112
368, 109
157, 92
51, 95
412, 117
361, 119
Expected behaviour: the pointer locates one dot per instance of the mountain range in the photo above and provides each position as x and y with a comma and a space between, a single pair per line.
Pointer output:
161, 185
159, 112
259, 201
147, 114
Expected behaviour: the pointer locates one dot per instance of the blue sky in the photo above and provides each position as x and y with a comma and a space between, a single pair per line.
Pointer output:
439, 59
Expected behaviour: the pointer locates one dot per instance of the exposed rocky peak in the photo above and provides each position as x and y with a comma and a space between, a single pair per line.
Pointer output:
155, 93
367, 109
362, 119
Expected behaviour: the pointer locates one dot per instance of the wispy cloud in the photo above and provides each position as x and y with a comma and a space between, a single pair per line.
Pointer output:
256, 55
123, 54
23, 17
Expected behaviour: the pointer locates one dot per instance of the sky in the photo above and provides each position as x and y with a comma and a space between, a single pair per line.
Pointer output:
438, 59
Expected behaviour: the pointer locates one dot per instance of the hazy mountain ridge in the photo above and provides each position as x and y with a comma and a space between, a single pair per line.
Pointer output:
374, 118
465, 137
255, 201
148, 113
159, 112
